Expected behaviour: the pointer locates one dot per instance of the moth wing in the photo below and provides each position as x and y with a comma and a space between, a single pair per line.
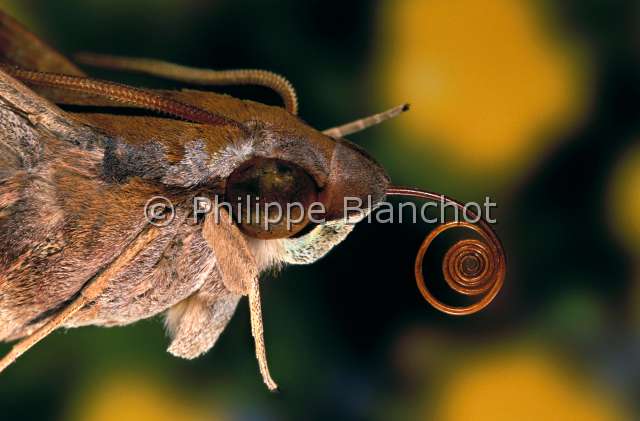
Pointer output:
22, 48
26, 122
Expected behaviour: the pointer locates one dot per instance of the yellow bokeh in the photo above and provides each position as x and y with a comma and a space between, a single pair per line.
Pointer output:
489, 84
525, 384
129, 397
624, 201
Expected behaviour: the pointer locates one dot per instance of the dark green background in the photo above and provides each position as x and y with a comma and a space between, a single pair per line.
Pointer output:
333, 329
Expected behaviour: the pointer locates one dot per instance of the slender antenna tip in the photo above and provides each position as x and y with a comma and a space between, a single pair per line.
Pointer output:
406, 107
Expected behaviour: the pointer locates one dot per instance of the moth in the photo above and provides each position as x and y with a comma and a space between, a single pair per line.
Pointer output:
78, 246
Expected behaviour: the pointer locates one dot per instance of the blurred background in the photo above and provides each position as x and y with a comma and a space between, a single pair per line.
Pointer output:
534, 103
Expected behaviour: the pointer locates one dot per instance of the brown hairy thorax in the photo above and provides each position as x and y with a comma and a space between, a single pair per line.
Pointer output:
78, 246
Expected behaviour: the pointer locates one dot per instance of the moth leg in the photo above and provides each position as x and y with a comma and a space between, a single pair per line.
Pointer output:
88, 294
173, 71
364, 123
240, 275
257, 330
25, 344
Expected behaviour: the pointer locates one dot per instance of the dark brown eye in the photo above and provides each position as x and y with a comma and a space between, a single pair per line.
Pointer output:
269, 197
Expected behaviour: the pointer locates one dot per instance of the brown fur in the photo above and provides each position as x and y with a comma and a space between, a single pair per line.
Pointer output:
73, 188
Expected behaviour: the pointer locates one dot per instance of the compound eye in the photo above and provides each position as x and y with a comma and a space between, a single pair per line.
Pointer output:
270, 197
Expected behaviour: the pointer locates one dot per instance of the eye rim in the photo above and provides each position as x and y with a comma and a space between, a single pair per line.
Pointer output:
320, 184
301, 144
304, 190
247, 164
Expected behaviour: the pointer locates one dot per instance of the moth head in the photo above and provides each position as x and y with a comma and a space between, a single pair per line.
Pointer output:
294, 177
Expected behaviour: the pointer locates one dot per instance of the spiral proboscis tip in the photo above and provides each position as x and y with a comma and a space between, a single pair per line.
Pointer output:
471, 267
